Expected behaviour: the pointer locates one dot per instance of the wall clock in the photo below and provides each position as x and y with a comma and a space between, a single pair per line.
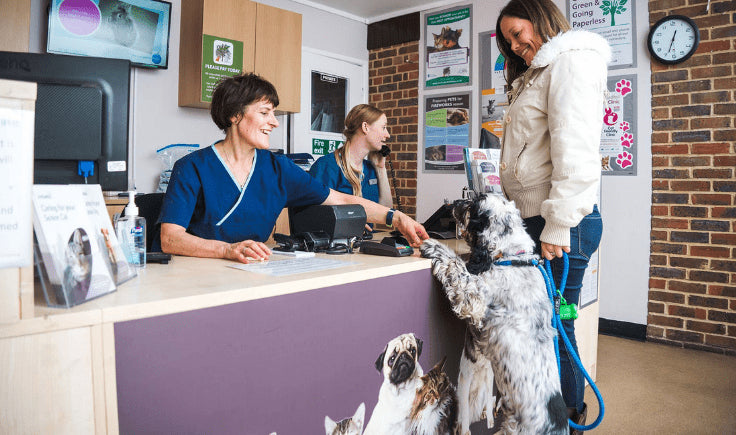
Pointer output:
673, 39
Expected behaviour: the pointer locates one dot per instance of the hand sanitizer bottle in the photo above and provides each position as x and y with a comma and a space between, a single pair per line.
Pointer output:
131, 232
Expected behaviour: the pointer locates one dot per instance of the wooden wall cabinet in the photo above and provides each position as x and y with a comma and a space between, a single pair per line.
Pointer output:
272, 45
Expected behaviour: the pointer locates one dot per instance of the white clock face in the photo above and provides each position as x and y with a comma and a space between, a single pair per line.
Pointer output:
673, 39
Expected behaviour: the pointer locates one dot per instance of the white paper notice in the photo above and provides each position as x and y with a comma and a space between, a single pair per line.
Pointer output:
291, 266
16, 169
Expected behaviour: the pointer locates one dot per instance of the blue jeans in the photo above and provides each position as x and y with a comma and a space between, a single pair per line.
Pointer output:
584, 240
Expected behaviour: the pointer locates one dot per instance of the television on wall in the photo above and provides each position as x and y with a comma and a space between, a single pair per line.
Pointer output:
136, 30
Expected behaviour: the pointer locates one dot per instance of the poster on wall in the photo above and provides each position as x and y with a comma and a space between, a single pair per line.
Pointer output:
613, 20
447, 47
446, 131
618, 138
221, 57
491, 63
493, 99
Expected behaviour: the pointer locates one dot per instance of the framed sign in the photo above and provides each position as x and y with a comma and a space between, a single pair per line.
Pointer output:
619, 137
447, 47
446, 131
613, 20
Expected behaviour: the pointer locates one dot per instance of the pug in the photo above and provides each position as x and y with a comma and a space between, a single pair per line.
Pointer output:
402, 377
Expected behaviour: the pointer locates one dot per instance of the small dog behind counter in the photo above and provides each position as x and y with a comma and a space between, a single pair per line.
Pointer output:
509, 319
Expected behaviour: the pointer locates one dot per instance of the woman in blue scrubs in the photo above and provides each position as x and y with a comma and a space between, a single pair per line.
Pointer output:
358, 167
222, 201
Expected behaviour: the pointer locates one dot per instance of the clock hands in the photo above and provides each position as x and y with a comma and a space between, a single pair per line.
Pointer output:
672, 42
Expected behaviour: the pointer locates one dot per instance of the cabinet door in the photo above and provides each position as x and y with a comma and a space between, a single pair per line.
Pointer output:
231, 19
279, 53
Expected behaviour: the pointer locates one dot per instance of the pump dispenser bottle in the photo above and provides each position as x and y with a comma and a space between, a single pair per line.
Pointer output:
131, 232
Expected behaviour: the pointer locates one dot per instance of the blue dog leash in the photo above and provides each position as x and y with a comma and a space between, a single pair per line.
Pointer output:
554, 297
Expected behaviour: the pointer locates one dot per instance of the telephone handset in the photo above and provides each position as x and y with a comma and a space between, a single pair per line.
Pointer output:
385, 151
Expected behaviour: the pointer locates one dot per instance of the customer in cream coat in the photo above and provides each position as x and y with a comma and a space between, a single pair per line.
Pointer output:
550, 159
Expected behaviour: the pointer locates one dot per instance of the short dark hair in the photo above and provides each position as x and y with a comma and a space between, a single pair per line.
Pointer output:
547, 21
233, 94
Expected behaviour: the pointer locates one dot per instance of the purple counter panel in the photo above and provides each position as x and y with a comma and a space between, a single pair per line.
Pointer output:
278, 364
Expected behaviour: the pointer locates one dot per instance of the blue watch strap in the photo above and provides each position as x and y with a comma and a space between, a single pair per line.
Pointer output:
390, 217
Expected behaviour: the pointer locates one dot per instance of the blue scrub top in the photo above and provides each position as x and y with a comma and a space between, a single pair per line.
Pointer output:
204, 197
326, 170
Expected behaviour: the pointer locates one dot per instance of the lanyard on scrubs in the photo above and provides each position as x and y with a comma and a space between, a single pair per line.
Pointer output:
242, 189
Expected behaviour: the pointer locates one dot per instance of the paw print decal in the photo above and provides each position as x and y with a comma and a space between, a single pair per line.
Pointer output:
627, 140
624, 160
623, 87
624, 126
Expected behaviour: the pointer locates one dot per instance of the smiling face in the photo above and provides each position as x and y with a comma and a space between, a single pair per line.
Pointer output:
377, 133
254, 126
520, 35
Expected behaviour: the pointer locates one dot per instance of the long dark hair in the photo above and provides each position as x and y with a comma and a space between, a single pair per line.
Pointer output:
547, 21
233, 94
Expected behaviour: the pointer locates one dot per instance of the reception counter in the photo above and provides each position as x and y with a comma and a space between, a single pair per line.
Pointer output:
196, 346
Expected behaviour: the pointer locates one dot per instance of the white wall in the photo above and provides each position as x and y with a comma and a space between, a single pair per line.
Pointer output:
625, 203
156, 119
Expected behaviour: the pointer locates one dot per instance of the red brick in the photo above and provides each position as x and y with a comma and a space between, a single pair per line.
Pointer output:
670, 223
687, 287
657, 283
670, 149
729, 160
710, 251
710, 122
722, 45
660, 210
711, 199
721, 341
664, 321
688, 186
723, 239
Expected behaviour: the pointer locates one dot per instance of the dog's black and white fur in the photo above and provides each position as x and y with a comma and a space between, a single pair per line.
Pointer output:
509, 319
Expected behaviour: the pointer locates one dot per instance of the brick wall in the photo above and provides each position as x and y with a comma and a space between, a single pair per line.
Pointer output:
393, 79
692, 285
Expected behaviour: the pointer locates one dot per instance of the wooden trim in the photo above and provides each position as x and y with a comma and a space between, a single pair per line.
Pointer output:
15, 25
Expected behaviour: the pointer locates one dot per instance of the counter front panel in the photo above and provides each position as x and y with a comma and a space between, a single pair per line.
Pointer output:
277, 364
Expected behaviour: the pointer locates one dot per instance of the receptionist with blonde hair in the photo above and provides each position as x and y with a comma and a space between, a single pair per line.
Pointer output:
223, 200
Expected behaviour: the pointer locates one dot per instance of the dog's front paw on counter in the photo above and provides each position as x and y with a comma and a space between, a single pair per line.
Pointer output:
432, 248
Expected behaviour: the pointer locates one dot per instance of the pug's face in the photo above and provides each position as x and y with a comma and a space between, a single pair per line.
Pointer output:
398, 361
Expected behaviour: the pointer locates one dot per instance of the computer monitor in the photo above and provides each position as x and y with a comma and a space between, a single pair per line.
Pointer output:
81, 116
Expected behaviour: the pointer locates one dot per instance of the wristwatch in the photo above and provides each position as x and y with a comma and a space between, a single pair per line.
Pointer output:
390, 217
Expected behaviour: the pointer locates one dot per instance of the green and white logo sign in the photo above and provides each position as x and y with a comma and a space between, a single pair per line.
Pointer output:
221, 57
321, 147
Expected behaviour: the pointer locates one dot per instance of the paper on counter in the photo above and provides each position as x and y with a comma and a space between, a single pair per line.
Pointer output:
292, 266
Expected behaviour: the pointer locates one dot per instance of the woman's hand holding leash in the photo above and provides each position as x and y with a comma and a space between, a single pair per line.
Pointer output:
550, 251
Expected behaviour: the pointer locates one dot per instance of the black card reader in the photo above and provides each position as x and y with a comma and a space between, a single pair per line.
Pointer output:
389, 247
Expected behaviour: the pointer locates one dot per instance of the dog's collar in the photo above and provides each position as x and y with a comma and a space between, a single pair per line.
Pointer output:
521, 258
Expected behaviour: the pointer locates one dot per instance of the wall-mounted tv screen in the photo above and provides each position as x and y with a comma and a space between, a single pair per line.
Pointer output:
136, 30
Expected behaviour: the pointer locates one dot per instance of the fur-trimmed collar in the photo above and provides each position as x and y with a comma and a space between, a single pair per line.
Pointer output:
569, 41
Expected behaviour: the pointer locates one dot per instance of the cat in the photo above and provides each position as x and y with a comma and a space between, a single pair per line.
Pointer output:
434, 411
447, 39
347, 426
